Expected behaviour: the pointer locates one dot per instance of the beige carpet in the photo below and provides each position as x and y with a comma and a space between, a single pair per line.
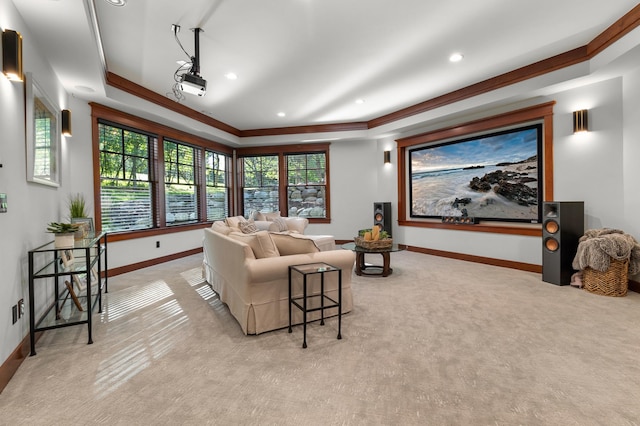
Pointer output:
439, 342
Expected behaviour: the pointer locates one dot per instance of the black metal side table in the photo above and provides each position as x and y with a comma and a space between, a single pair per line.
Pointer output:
307, 299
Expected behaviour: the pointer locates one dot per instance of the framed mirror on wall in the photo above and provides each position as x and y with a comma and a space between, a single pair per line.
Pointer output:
43, 135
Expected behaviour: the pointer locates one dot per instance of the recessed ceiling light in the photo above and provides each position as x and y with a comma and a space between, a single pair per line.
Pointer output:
117, 2
281, 114
359, 101
456, 57
231, 76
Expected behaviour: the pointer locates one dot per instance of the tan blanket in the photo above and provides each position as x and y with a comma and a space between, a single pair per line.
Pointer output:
598, 246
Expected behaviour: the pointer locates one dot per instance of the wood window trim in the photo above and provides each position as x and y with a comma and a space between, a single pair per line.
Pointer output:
281, 151
543, 112
103, 113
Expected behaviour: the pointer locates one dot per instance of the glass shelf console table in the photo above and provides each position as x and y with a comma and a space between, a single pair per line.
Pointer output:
68, 283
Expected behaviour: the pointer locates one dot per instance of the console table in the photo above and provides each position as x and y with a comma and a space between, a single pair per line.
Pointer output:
364, 269
326, 302
71, 303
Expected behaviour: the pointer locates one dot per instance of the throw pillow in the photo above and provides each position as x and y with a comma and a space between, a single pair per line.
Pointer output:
248, 227
280, 223
291, 244
272, 215
234, 221
260, 242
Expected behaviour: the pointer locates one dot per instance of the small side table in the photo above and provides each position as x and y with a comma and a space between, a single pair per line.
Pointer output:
325, 301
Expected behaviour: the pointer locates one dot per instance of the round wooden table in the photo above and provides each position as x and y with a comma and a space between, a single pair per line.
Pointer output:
363, 268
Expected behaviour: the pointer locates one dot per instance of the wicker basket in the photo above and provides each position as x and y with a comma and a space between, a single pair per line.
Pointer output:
612, 282
373, 245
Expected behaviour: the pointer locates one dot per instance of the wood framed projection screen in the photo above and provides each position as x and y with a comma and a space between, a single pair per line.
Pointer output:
423, 167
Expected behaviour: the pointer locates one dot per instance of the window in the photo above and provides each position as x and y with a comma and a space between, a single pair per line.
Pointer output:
155, 179
293, 181
125, 187
306, 189
181, 198
217, 191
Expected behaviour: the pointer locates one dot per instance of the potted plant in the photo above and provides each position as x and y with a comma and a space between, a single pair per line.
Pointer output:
77, 206
63, 233
77, 210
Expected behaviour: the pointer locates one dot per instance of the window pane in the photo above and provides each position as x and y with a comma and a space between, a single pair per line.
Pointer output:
110, 139
111, 165
181, 204
125, 208
306, 201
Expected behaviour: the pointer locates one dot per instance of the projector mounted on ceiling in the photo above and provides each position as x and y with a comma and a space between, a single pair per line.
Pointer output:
187, 77
193, 84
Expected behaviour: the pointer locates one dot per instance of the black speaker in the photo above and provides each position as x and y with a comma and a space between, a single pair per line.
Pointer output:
562, 227
382, 216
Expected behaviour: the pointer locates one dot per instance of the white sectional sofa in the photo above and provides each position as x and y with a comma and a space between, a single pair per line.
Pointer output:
250, 274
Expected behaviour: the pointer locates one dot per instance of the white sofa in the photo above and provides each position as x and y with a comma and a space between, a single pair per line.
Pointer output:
250, 274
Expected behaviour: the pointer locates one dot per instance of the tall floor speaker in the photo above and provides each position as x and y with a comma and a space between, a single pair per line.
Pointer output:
382, 216
562, 227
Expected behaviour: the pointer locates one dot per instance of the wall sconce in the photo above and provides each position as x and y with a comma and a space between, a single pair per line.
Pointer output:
387, 157
580, 121
12, 55
66, 123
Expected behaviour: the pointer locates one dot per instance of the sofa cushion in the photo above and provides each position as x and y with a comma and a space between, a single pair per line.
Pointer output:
294, 244
234, 221
221, 227
260, 242
248, 227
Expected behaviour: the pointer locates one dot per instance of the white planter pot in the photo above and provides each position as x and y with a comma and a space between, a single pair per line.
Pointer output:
64, 240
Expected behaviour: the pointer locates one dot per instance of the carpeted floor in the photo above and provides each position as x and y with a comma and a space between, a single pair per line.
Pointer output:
439, 342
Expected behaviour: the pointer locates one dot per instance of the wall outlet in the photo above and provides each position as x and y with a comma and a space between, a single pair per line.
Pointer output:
20, 308
14, 311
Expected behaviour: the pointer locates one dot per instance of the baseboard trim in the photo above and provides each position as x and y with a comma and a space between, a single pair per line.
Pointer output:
151, 262
11, 365
479, 259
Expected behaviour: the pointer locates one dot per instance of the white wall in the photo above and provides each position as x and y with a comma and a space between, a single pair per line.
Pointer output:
30, 206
